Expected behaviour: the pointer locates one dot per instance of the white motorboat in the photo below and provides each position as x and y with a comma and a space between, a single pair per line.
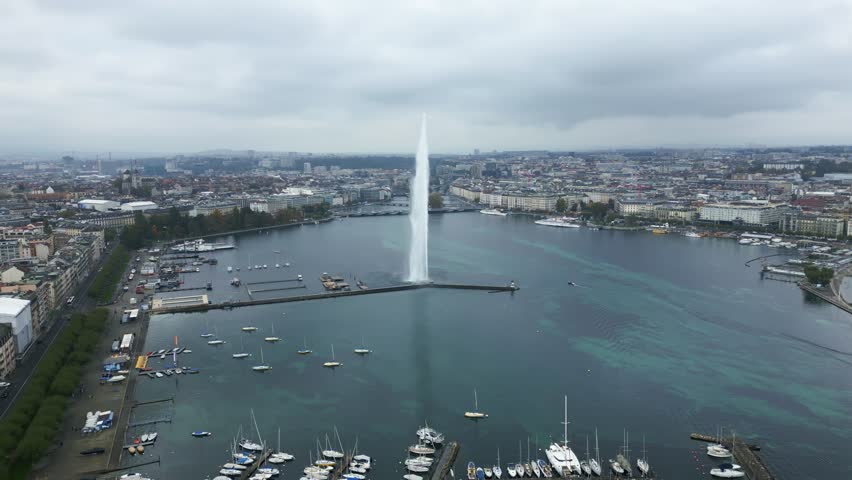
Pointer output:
215, 342
417, 468
493, 211
430, 435
727, 470
475, 414
561, 457
263, 365
249, 329
421, 449
234, 466
564, 222
230, 269
231, 472
268, 471
333, 363
692, 234
277, 265
116, 378
422, 461
206, 335
717, 451
152, 436
241, 355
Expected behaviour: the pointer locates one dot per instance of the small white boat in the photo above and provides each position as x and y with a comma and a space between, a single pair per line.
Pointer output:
201, 434
422, 461
263, 366
152, 436
250, 446
616, 467
417, 468
187, 351
421, 449
231, 472
248, 329
727, 470
717, 451
511, 469
412, 476
304, 350
215, 342
277, 265
287, 264
268, 471
206, 335
475, 414
241, 355
235, 466
272, 338
230, 269
116, 378
642, 463
333, 363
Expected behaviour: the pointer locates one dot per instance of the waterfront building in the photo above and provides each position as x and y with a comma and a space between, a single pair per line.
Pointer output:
16, 313
7, 351
208, 209
757, 212
636, 207
815, 225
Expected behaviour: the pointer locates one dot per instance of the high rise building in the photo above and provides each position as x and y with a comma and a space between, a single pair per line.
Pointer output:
307, 168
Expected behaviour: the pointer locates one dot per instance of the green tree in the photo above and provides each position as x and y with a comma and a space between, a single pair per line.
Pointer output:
561, 205
818, 275
436, 200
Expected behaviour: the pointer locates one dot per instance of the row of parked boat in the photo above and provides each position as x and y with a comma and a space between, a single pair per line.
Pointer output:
423, 451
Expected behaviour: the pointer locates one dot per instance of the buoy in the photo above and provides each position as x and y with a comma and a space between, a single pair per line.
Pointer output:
132, 450
140, 449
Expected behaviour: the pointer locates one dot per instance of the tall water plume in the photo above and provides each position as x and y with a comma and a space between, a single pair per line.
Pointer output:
418, 216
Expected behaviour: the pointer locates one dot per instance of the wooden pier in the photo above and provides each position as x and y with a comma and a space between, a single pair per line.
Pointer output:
203, 307
744, 455
275, 281
341, 467
446, 461
260, 460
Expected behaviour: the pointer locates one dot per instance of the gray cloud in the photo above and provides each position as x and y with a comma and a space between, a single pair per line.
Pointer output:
354, 76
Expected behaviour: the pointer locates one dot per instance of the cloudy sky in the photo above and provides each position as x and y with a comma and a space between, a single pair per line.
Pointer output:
354, 76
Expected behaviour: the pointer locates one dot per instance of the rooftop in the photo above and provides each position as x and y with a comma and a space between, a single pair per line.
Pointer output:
12, 306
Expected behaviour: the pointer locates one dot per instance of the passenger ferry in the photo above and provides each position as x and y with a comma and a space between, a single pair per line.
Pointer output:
493, 211
195, 246
564, 222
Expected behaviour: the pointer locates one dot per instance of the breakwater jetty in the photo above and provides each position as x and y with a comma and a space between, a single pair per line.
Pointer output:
162, 307
446, 461
745, 455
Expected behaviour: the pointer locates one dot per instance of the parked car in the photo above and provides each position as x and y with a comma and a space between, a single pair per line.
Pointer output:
4, 384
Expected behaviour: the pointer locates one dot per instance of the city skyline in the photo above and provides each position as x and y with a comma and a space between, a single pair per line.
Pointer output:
161, 77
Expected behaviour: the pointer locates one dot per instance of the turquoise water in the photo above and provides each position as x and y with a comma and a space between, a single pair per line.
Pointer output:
662, 336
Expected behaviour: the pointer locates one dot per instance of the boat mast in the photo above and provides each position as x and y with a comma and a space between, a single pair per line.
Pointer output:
475, 401
597, 452
565, 424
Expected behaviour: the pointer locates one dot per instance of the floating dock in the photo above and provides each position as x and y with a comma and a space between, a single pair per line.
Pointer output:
203, 307
744, 455
446, 461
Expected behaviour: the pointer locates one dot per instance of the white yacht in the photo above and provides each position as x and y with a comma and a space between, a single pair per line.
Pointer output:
421, 449
727, 470
248, 329
692, 234
561, 457
333, 363
250, 446
493, 211
263, 365
475, 414
565, 222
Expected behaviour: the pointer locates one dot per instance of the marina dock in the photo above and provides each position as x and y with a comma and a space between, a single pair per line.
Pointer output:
446, 461
745, 455
203, 306
260, 460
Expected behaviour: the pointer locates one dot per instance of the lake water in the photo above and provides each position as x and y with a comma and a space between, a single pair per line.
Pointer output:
662, 336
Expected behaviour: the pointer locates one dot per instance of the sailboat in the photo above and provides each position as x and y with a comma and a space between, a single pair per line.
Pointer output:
475, 414
642, 463
519, 467
363, 350
532, 464
332, 363
248, 329
624, 458
242, 354
230, 269
563, 459
263, 366
272, 338
498, 472
595, 463
304, 350
584, 464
